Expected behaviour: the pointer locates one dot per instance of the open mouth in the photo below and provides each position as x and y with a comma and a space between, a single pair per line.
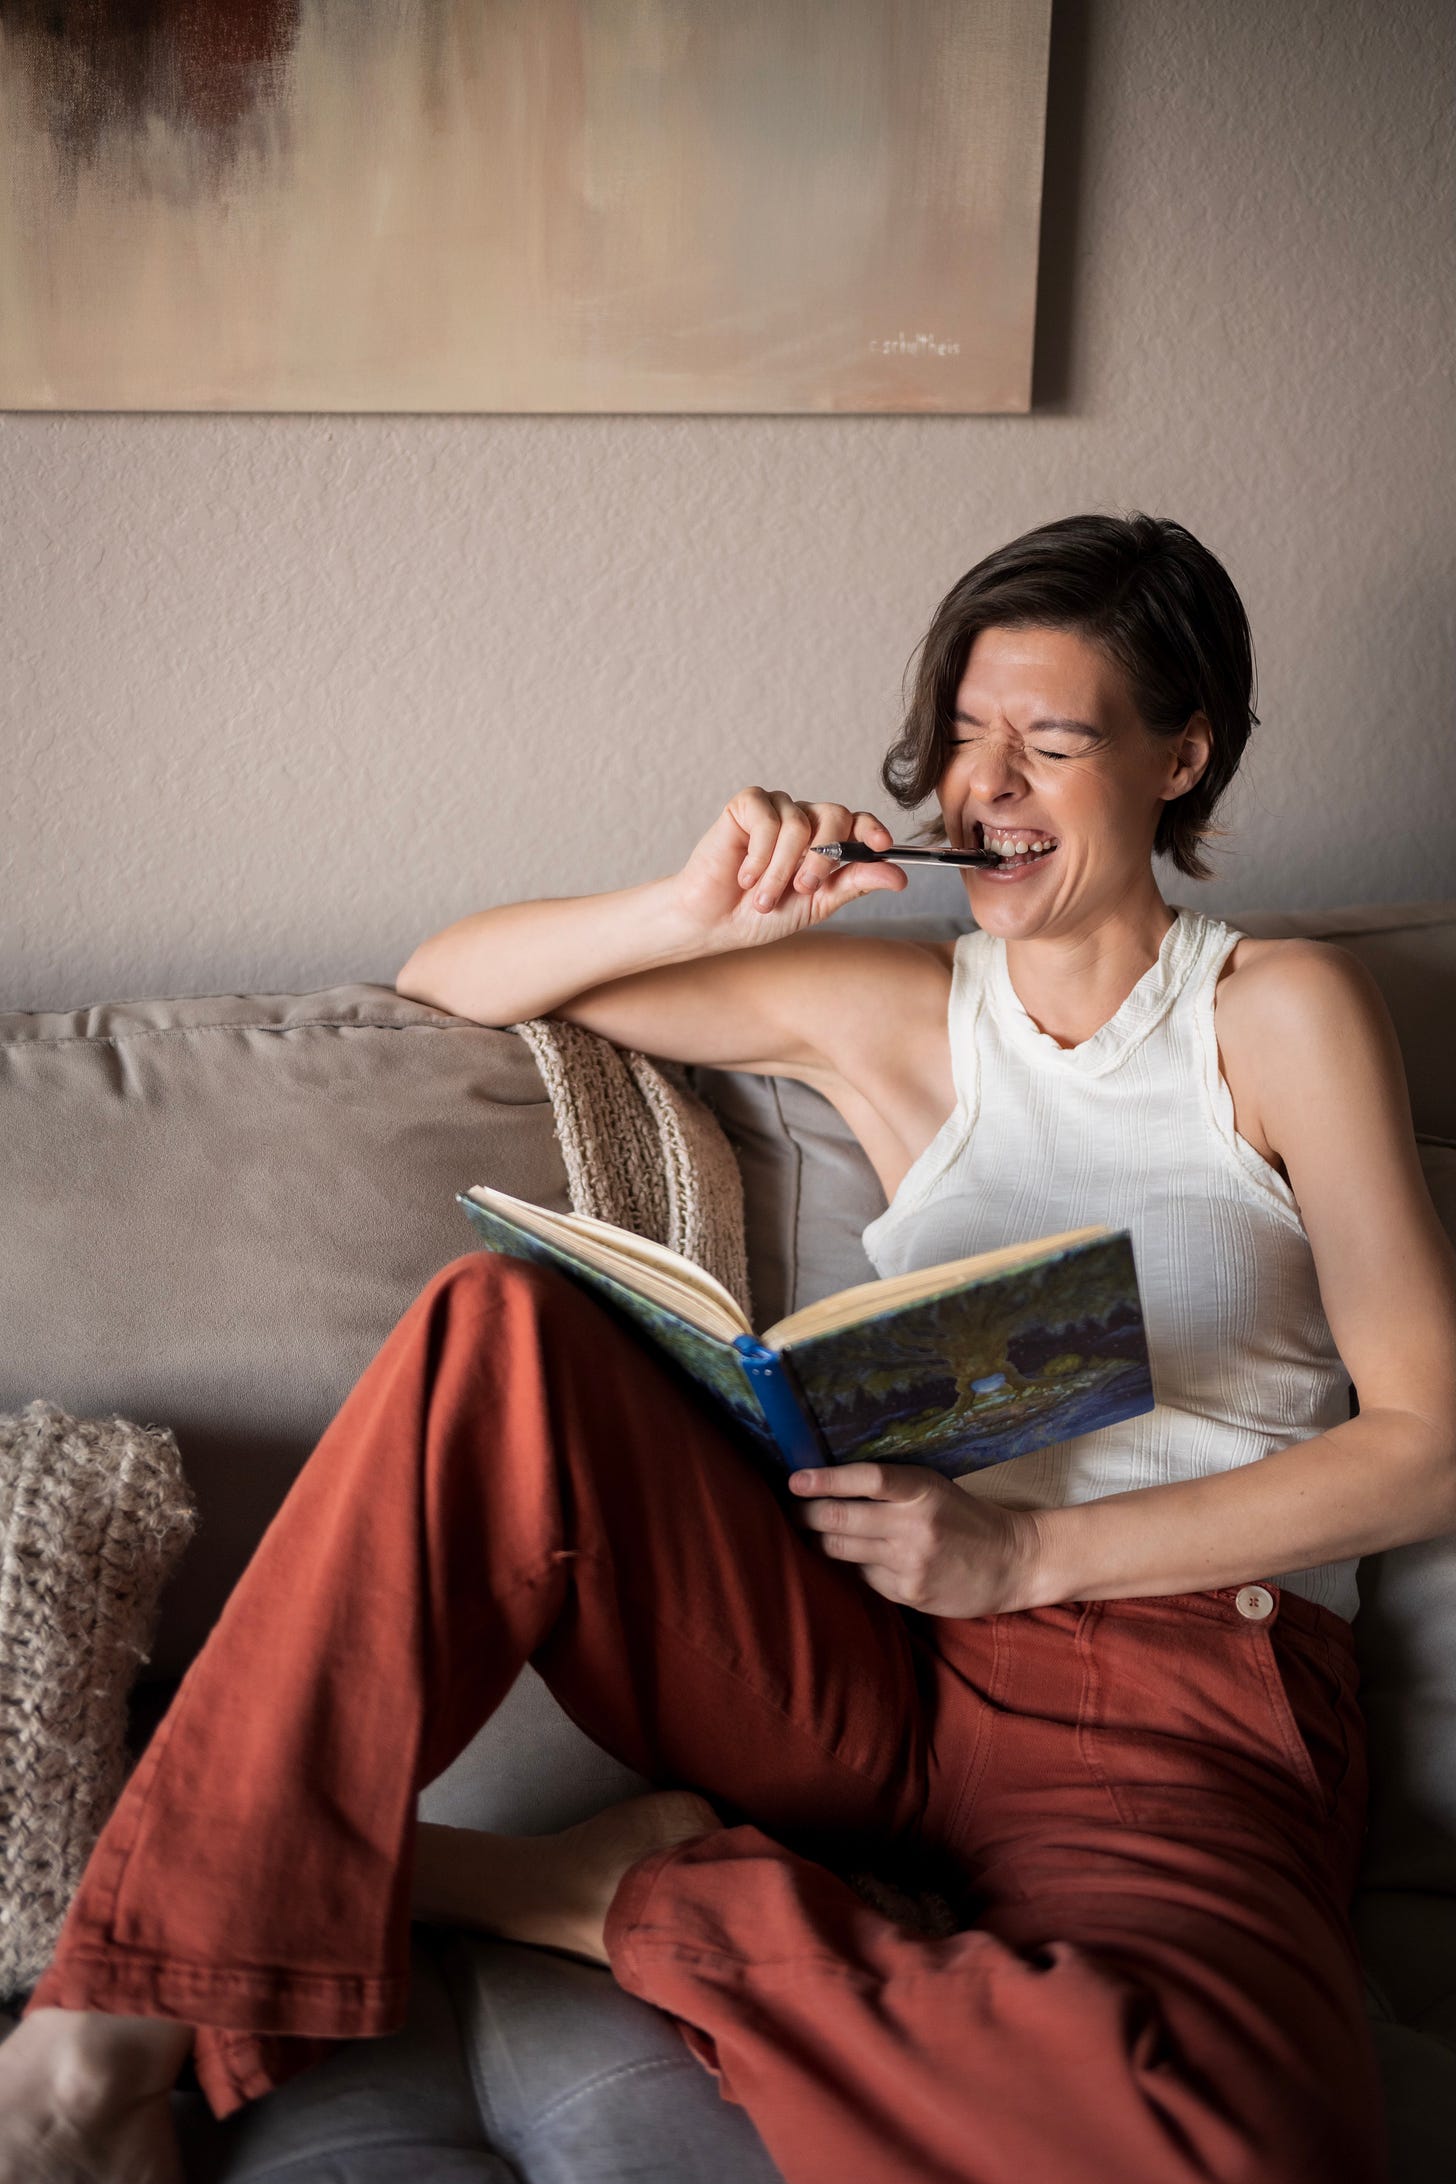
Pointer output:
1017, 849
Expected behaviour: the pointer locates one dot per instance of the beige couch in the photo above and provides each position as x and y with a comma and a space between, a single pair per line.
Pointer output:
217, 1208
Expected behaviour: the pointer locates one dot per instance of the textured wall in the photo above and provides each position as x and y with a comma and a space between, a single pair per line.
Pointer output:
282, 695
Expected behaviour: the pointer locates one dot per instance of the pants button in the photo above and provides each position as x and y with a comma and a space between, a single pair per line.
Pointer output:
1254, 1601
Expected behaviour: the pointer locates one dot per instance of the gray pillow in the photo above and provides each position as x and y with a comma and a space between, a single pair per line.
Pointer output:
216, 1210
808, 1190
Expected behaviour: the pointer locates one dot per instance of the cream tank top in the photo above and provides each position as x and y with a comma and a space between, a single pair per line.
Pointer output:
1134, 1128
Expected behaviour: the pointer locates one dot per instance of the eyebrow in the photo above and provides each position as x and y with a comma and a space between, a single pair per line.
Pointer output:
1038, 727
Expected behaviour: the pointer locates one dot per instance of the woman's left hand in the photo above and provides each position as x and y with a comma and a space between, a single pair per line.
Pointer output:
920, 1540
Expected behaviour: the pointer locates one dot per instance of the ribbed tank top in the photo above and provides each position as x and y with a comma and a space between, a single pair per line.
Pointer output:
1134, 1128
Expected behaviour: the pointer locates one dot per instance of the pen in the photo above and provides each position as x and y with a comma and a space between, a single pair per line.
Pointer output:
857, 853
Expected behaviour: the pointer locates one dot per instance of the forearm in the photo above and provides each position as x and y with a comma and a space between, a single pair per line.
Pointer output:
523, 959
1377, 1481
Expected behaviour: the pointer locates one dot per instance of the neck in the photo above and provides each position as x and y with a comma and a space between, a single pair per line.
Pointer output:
1072, 982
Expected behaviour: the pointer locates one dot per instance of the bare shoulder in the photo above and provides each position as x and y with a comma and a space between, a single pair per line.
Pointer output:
1264, 979
1290, 1012
1248, 983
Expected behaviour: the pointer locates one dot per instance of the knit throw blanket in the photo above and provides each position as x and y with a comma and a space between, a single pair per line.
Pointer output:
642, 1150
94, 1514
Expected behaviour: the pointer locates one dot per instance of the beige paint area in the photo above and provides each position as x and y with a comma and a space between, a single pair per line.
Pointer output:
599, 205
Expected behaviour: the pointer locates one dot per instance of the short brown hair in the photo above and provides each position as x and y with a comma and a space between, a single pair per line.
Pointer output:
1156, 601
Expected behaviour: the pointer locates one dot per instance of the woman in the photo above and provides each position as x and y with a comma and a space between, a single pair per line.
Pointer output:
1111, 1685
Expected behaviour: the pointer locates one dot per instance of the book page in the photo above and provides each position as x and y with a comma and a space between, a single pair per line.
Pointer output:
867, 1300
657, 1271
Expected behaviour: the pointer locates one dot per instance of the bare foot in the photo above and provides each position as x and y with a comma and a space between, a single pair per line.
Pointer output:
553, 1890
84, 2099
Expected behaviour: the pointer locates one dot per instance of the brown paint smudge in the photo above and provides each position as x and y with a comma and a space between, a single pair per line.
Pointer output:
99, 68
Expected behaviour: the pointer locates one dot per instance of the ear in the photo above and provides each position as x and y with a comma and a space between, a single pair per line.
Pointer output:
1188, 758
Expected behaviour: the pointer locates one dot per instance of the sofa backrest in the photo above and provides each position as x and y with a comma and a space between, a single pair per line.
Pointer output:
217, 1208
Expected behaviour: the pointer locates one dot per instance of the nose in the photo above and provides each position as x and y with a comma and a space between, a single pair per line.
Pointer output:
993, 769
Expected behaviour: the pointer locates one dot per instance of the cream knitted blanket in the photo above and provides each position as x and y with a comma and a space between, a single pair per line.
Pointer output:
642, 1150
94, 1514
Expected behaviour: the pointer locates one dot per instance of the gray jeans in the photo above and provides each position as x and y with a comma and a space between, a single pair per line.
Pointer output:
515, 2064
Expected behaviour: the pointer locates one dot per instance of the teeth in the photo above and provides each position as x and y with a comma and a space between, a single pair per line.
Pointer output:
1008, 844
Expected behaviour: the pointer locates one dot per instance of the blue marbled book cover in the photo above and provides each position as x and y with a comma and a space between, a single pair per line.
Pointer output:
983, 1371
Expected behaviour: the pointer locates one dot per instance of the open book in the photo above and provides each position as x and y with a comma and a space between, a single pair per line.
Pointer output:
955, 1366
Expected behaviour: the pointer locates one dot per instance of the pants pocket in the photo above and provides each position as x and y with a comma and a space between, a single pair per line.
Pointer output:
1312, 1703
1189, 1726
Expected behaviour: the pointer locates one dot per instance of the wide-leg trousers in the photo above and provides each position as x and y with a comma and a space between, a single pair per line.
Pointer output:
1155, 1805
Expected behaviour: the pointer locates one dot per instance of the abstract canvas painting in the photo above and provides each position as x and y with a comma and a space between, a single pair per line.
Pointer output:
520, 205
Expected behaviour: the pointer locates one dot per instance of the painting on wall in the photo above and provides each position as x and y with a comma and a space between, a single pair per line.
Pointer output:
520, 205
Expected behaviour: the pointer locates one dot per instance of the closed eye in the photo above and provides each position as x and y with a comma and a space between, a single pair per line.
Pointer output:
958, 742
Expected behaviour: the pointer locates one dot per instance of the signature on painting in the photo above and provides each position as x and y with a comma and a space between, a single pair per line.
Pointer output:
915, 345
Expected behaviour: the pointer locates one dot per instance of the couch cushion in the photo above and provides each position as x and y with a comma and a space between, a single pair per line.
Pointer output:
529, 1771
405, 2108
1406, 1636
217, 1209
808, 1190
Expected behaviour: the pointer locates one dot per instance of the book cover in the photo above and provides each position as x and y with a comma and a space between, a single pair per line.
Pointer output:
970, 1376
714, 1364
1035, 1354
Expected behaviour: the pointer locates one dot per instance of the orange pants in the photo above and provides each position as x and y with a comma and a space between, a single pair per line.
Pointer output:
1156, 1804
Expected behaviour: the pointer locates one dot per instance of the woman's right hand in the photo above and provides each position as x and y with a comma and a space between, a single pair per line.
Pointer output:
751, 879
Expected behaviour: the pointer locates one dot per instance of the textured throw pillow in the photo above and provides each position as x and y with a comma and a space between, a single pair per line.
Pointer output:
94, 1514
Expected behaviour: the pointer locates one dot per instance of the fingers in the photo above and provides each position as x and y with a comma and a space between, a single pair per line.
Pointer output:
781, 831
796, 832
888, 1482
843, 1519
757, 812
847, 883
850, 1531
837, 823
844, 1533
833, 885
851, 1547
